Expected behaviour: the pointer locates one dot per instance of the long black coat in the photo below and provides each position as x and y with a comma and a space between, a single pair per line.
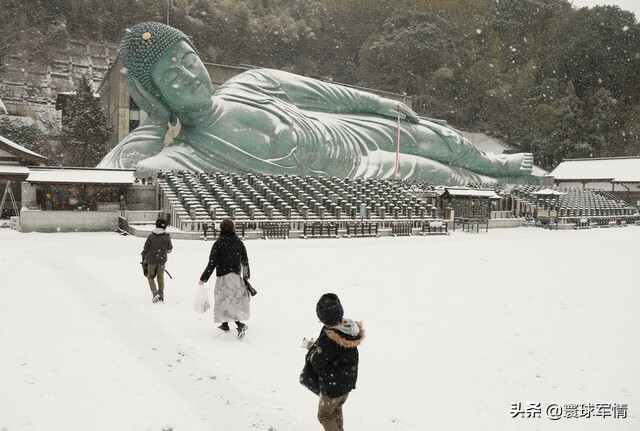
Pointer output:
334, 357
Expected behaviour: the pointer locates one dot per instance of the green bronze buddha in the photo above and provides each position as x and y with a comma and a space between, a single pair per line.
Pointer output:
275, 122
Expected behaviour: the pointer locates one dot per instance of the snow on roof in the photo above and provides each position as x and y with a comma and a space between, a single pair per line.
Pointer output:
464, 191
538, 171
548, 192
81, 175
13, 170
617, 169
19, 150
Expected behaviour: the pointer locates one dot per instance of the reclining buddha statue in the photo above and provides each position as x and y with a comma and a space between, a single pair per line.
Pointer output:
275, 122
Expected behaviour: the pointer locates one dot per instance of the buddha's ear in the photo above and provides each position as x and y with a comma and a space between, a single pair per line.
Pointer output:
173, 118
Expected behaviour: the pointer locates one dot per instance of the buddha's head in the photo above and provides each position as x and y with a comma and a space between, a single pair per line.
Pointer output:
166, 63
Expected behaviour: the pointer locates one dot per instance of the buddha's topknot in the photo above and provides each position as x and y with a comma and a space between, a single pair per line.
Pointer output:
143, 44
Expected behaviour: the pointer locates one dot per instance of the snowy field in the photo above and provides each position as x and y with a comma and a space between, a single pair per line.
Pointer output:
458, 329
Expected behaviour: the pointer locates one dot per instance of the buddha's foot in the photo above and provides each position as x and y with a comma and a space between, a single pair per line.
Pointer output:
520, 164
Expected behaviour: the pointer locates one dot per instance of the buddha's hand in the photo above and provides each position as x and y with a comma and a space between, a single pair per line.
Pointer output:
142, 143
393, 108
149, 103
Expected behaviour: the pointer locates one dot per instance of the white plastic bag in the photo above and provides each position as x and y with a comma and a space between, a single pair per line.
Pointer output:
201, 302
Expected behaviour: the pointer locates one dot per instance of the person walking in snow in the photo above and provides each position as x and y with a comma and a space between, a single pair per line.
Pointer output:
229, 258
334, 357
154, 255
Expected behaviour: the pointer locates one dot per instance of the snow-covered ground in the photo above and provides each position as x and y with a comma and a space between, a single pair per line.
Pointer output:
458, 329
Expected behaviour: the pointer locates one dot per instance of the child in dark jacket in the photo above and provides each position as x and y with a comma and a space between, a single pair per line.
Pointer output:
154, 255
334, 358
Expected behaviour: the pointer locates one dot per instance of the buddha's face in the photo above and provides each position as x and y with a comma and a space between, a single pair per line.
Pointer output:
182, 79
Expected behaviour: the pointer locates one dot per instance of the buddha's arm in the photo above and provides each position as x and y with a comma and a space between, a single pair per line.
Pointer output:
314, 95
146, 141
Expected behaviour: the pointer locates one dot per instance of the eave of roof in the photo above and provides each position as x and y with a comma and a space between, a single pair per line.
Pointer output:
20, 151
472, 193
601, 169
81, 176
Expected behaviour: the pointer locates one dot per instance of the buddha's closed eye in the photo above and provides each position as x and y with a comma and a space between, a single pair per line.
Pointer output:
189, 60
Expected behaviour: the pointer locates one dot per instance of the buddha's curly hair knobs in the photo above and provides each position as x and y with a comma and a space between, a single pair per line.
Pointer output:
143, 44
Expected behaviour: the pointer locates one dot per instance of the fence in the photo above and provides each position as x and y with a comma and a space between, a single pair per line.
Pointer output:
362, 229
275, 230
319, 229
431, 227
401, 228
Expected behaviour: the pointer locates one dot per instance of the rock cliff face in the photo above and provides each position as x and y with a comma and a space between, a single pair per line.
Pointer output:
30, 89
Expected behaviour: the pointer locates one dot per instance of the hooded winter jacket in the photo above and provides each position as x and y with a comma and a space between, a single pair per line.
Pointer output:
334, 356
156, 247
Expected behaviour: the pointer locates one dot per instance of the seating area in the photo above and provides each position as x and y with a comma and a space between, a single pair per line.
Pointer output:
575, 206
316, 207
195, 199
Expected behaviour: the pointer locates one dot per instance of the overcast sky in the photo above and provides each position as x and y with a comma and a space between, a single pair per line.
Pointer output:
630, 5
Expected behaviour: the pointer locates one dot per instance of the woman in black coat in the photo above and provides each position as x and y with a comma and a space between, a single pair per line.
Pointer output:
229, 259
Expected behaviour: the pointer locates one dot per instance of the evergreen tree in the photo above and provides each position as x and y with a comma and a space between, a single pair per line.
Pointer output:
631, 132
567, 133
411, 47
604, 128
85, 132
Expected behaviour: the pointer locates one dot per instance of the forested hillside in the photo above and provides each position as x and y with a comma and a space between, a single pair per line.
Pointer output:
544, 77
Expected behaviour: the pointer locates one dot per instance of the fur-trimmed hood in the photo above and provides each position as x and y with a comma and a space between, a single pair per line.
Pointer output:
347, 334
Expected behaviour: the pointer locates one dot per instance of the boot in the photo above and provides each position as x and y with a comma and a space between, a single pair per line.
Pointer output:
242, 329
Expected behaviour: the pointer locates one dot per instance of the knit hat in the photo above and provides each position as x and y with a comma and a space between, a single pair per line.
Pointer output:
329, 309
